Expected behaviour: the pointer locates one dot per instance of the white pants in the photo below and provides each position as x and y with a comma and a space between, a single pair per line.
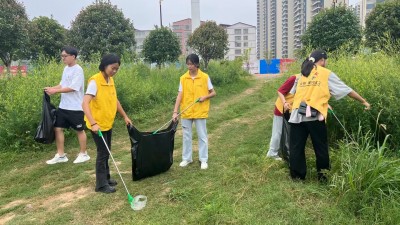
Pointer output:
276, 136
187, 139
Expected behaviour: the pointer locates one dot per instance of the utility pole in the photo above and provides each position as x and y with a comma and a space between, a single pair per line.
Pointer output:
160, 15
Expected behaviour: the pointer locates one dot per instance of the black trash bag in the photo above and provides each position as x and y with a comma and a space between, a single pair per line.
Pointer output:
45, 132
152, 154
285, 137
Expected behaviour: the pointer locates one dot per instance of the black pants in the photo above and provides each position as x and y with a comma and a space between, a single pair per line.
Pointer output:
298, 137
102, 168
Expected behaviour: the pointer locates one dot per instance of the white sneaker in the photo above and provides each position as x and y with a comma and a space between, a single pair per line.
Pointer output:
57, 159
203, 165
184, 163
277, 158
82, 157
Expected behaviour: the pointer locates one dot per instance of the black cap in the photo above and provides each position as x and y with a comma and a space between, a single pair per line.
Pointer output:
317, 55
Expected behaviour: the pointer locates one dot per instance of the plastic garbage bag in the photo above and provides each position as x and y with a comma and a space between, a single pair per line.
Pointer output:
45, 132
152, 154
285, 138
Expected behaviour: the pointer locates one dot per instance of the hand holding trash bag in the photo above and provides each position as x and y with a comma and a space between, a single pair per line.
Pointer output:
45, 131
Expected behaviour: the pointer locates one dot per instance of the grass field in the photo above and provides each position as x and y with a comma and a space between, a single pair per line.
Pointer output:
241, 186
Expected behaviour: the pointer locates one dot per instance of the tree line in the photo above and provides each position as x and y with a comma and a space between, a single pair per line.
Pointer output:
102, 27
339, 28
97, 29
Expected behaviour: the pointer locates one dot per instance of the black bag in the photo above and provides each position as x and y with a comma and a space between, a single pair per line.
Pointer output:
285, 137
45, 132
303, 107
152, 154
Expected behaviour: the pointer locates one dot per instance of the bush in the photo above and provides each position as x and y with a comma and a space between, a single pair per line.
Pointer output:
139, 89
224, 72
20, 105
376, 78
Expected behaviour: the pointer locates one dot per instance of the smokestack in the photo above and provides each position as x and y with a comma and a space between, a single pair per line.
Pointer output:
195, 14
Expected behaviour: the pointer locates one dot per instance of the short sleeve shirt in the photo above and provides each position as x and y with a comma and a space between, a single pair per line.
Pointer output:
73, 78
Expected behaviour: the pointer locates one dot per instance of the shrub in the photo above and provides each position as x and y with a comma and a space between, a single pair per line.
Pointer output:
224, 72
139, 89
376, 78
20, 105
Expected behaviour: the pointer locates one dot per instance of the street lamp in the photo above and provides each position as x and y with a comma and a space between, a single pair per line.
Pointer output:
160, 14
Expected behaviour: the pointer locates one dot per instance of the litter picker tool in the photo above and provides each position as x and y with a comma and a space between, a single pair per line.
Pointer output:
137, 203
348, 134
155, 132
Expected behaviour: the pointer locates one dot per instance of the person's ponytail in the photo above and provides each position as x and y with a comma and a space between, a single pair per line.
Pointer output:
307, 66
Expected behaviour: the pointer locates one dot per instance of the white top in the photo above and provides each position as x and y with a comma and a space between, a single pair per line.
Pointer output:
73, 78
209, 85
92, 88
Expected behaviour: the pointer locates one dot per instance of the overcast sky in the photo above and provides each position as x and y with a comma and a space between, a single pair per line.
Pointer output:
145, 13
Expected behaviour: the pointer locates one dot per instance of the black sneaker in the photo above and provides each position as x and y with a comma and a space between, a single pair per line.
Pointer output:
106, 189
112, 182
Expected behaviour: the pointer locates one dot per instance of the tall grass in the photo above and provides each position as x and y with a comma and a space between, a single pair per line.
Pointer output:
365, 180
376, 78
139, 88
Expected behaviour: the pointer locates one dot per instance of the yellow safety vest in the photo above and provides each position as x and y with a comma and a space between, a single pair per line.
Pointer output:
289, 99
314, 90
104, 105
192, 89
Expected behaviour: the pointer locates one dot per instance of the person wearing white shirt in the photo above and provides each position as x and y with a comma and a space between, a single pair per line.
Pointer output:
70, 113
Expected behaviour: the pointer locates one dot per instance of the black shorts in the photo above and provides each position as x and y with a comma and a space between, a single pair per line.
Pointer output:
70, 118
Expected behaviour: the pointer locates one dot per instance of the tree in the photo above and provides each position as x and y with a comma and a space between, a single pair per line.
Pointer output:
161, 46
101, 28
46, 36
13, 30
333, 28
383, 25
210, 41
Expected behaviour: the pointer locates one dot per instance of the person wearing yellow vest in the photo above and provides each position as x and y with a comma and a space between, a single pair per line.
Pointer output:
282, 104
100, 105
310, 110
194, 85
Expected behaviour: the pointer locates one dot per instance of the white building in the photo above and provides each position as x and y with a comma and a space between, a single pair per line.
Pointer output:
242, 38
140, 35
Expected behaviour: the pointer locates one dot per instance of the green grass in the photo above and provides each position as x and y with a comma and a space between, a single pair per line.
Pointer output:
241, 186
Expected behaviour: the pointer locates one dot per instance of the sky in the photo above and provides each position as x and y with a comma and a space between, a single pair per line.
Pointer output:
146, 13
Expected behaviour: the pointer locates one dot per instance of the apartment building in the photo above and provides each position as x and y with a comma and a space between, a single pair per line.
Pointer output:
280, 24
262, 26
364, 7
242, 38
140, 35
183, 29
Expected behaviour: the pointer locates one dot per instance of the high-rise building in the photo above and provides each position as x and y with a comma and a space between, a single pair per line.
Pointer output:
280, 24
287, 28
365, 7
262, 25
